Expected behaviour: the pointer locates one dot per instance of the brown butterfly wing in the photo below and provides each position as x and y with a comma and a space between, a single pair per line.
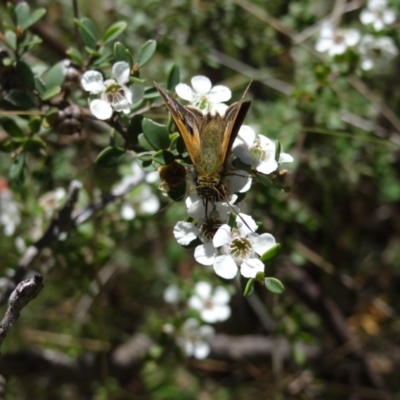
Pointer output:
187, 121
233, 120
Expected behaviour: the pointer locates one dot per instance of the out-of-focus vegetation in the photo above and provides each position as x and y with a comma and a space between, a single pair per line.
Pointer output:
98, 330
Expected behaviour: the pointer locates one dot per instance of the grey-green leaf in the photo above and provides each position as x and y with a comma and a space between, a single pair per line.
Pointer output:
156, 134
114, 31
110, 157
11, 127
25, 73
173, 78
271, 253
146, 52
274, 285
33, 18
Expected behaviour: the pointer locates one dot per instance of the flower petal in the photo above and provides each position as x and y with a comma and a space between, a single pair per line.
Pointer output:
221, 296
184, 91
222, 236
127, 212
246, 224
225, 267
251, 267
201, 350
263, 243
219, 94
196, 303
205, 254
240, 182
201, 84
185, 232
247, 134
121, 71
285, 158
100, 109
172, 294
203, 289
92, 81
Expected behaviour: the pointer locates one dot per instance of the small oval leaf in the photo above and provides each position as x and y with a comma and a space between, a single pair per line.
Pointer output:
249, 289
110, 157
274, 285
34, 17
25, 73
173, 78
163, 157
11, 127
146, 52
271, 253
156, 134
114, 31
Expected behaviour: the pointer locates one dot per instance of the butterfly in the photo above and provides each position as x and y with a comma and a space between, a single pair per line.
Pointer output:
208, 139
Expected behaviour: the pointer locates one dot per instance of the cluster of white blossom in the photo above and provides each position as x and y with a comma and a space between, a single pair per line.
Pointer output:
374, 49
212, 306
115, 95
229, 250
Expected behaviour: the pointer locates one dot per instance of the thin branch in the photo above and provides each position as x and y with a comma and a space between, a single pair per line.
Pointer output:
20, 297
66, 220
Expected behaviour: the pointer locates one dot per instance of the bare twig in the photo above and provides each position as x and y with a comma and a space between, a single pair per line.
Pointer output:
66, 220
20, 297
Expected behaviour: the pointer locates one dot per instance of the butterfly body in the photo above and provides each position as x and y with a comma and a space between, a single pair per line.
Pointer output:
208, 139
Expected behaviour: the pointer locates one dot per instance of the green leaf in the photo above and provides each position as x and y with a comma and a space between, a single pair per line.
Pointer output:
87, 31
33, 18
114, 31
22, 12
277, 150
10, 39
9, 146
11, 127
34, 144
271, 253
51, 92
75, 55
121, 53
143, 143
146, 52
21, 99
135, 128
274, 285
249, 289
35, 124
18, 169
11, 11
163, 157
25, 73
110, 157
173, 78
54, 76
156, 134
151, 93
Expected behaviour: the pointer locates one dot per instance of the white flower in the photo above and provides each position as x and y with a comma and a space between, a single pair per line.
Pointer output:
258, 151
194, 339
336, 40
172, 294
376, 50
141, 201
10, 216
377, 14
240, 247
204, 96
211, 304
114, 94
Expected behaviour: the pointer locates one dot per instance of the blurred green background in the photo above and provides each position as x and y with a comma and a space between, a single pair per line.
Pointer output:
335, 332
